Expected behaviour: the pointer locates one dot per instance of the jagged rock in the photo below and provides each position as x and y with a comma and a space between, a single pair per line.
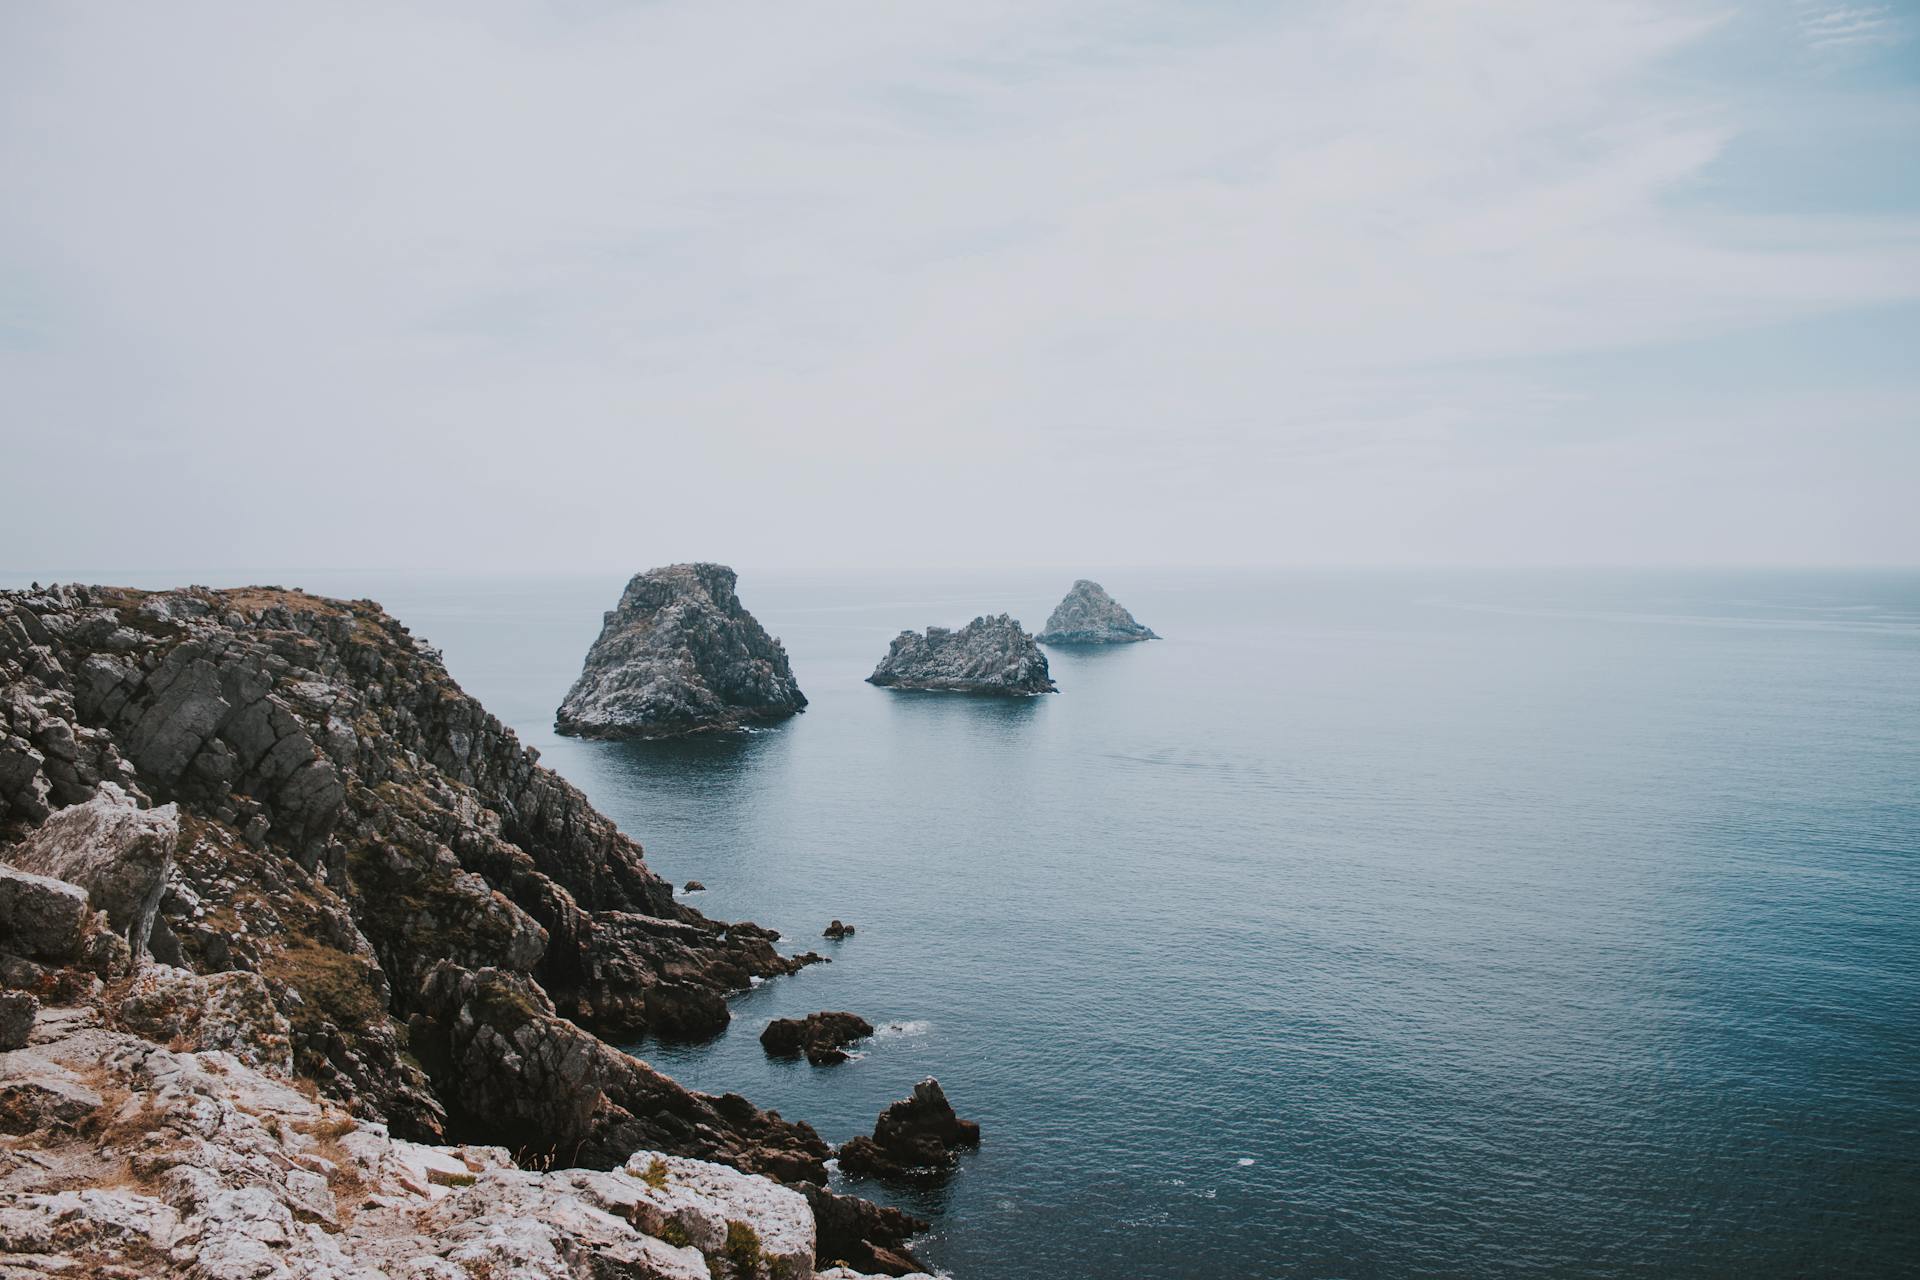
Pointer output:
679, 655
439, 922
232, 1011
915, 1139
40, 917
988, 655
1088, 615
823, 1037
694, 886
836, 930
172, 1163
861, 1236
120, 853
17, 1012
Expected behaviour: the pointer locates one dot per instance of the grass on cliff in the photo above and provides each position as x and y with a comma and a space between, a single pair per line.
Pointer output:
336, 989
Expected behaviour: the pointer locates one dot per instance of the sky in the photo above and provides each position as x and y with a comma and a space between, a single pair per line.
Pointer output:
592, 286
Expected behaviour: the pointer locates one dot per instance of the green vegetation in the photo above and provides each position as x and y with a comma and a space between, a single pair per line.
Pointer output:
655, 1175
743, 1247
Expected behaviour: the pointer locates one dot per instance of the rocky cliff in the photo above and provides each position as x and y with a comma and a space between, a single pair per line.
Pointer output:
290, 797
1088, 615
988, 655
680, 655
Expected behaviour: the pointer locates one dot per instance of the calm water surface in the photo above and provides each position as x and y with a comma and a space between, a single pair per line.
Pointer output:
1369, 925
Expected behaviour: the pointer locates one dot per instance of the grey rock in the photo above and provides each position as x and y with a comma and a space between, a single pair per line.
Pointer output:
988, 655
118, 852
1089, 615
17, 1012
40, 917
679, 655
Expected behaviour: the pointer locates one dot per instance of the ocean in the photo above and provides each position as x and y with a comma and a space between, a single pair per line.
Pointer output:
1370, 924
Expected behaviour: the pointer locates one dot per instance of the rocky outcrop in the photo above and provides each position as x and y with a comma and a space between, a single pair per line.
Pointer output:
823, 1037
916, 1139
988, 655
1089, 615
131, 1159
836, 930
374, 884
680, 655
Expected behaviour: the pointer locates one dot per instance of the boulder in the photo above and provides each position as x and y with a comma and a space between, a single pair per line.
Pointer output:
837, 931
916, 1139
680, 655
1088, 615
41, 918
823, 1037
120, 853
988, 655
17, 1012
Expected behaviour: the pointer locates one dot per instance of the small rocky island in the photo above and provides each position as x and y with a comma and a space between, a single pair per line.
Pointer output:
1089, 615
916, 1139
823, 1037
988, 655
680, 655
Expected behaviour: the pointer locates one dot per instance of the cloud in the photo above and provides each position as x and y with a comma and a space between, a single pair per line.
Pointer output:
486, 283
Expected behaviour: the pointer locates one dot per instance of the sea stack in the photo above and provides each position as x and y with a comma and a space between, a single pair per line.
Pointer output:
679, 655
1090, 616
988, 655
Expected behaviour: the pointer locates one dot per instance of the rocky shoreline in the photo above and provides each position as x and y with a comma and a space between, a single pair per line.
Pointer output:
304, 861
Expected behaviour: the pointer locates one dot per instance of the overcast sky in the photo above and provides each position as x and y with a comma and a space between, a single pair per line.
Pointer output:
601, 286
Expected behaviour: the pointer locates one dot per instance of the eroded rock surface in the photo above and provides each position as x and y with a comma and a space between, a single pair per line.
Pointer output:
1088, 615
680, 655
122, 1157
916, 1139
988, 655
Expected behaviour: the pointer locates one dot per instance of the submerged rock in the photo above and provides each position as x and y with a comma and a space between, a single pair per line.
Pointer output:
837, 930
915, 1139
1089, 615
679, 655
988, 655
823, 1037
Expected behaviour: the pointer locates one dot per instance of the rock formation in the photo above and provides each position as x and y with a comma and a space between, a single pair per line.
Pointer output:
988, 655
837, 930
823, 1037
373, 885
679, 655
133, 1159
1089, 615
915, 1139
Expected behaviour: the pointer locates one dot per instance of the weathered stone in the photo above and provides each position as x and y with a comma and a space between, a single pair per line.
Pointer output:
120, 853
988, 655
1088, 615
837, 930
41, 917
680, 655
17, 1012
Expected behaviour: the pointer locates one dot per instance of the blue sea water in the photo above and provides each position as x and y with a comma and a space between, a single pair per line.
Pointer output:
1371, 924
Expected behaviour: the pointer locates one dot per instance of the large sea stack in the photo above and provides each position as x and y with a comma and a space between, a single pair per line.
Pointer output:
988, 655
1089, 615
680, 655
279, 902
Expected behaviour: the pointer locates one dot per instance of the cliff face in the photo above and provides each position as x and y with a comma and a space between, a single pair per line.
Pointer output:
680, 655
988, 655
439, 921
1088, 615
